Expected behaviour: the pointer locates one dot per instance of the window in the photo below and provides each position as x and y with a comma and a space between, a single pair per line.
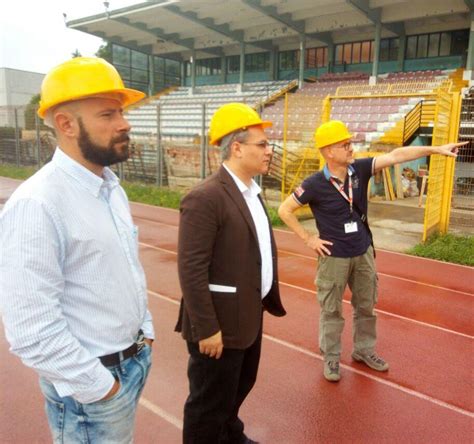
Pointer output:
437, 44
411, 47
310, 58
233, 64
173, 68
356, 52
365, 52
257, 62
347, 53
289, 59
139, 60
384, 50
315, 57
132, 66
338, 55
393, 52
422, 47
388, 49
321, 57
445, 45
208, 67
459, 42
120, 55
138, 75
433, 45
167, 72
124, 72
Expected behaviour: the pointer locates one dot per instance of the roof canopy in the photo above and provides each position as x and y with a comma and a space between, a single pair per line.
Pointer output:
179, 28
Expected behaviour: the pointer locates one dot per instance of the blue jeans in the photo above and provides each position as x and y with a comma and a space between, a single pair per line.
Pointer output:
101, 422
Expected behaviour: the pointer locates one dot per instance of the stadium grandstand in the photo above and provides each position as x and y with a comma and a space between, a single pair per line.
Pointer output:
397, 72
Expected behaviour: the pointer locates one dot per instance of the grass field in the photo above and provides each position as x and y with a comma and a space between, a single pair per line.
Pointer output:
448, 248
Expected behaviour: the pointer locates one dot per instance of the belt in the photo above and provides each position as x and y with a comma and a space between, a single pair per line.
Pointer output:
117, 357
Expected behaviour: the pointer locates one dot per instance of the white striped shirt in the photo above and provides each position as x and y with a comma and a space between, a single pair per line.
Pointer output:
71, 284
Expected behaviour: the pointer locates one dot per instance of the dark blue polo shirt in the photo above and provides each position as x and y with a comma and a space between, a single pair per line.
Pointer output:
332, 211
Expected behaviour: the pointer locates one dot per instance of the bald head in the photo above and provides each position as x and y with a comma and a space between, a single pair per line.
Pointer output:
74, 107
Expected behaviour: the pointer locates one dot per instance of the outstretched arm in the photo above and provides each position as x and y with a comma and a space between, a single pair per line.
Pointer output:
407, 153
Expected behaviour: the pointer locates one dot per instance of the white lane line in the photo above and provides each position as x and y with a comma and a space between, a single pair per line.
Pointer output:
313, 291
388, 275
313, 258
165, 250
387, 313
376, 378
155, 207
173, 420
383, 381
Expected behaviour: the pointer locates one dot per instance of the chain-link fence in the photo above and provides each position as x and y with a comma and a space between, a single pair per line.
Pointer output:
24, 140
462, 204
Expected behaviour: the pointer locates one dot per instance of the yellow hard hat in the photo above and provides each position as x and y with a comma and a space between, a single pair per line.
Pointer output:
232, 117
331, 132
83, 77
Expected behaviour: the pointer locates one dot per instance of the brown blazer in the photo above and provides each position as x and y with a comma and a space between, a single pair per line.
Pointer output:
218, 245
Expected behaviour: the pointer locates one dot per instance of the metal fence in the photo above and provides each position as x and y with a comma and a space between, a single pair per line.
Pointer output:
24, 140
157, 154
462, 204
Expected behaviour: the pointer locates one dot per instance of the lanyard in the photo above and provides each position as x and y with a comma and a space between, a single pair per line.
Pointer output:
340, 189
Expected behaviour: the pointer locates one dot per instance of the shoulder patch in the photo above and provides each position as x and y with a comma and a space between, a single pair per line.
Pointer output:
299, 191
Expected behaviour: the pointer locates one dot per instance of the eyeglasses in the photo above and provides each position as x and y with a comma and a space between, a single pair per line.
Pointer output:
346, 146
263, 145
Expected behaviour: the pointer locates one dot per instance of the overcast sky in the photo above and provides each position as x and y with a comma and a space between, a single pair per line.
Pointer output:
33, 36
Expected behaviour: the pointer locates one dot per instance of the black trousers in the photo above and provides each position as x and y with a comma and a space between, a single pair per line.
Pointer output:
218, 387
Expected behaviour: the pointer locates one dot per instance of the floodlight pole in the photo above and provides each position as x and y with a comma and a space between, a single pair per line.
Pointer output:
17, 139
242, 66
203, 141
302, 60
38, 141
159, 154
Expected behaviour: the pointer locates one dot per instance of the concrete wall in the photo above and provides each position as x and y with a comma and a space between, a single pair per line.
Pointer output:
17, 87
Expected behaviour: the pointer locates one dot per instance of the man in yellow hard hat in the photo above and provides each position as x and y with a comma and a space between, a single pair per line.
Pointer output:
337, 196
227, 266
72, 289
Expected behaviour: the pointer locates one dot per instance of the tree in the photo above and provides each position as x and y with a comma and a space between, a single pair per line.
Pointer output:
76, 53
105, 51
30, 111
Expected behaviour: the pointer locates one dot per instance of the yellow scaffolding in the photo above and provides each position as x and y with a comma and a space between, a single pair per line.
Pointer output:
441, 173
445, 113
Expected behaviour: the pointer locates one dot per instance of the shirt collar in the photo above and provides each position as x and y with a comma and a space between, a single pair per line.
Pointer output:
327, 174
251, 191
85, 177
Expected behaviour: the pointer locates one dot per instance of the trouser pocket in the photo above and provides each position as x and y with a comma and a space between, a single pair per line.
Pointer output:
55, 411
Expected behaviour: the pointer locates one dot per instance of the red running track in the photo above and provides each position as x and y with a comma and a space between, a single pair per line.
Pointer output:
425, 314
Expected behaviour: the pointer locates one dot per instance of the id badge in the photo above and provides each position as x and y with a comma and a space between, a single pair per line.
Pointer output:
350, 227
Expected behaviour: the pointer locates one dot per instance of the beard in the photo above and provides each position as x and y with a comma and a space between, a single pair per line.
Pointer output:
102, 155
